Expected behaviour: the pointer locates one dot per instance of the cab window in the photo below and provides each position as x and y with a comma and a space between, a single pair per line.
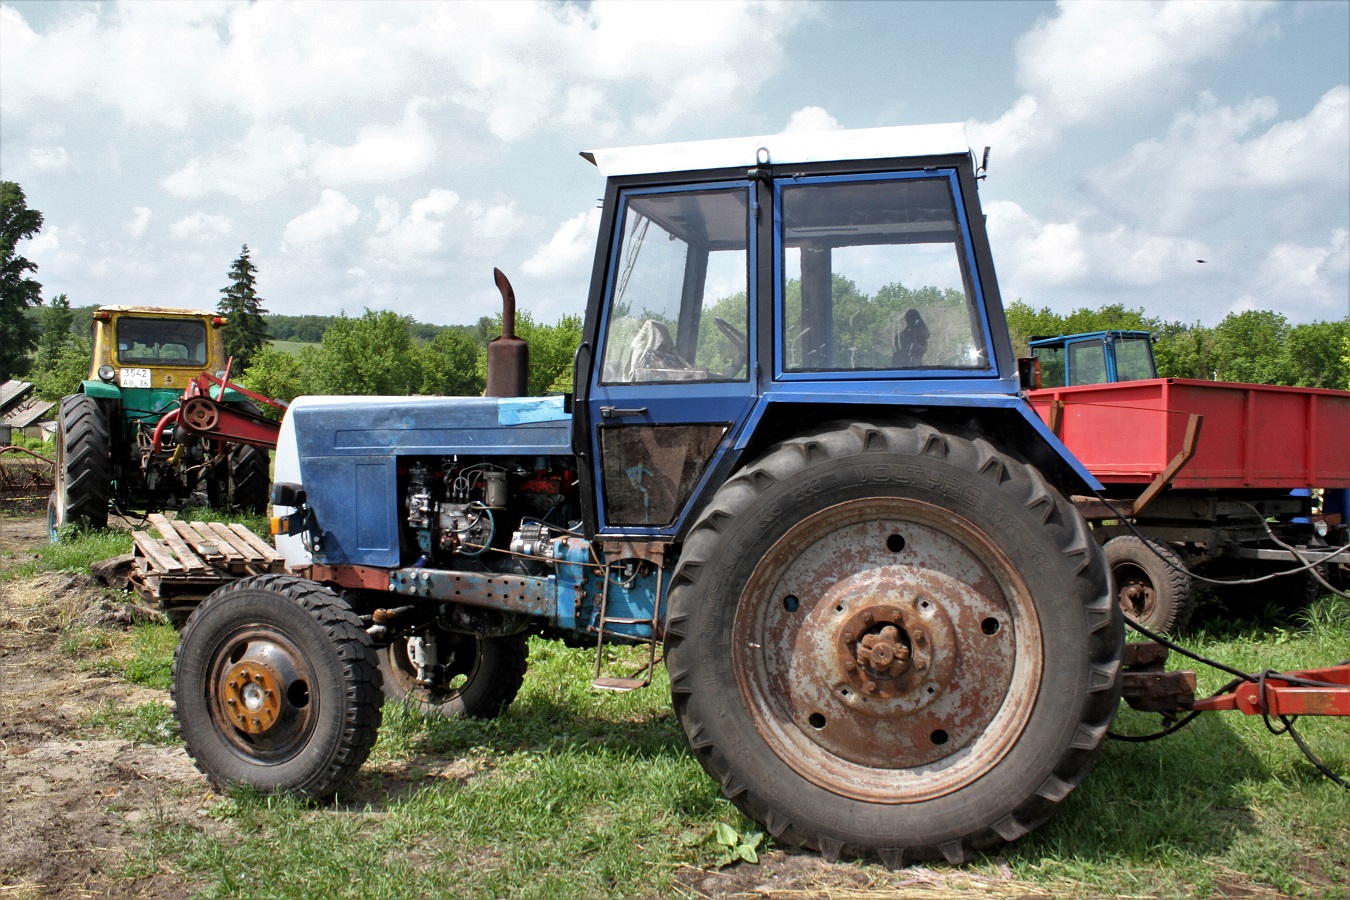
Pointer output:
678, 298
875, 277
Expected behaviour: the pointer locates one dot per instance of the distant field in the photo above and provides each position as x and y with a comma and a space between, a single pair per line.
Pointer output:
292, 347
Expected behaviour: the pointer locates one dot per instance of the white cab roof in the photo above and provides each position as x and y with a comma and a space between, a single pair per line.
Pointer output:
784, 149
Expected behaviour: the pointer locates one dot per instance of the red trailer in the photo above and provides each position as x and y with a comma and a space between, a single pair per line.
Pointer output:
1208, 478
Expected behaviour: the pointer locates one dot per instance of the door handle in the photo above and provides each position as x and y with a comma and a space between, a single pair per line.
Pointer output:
617, 412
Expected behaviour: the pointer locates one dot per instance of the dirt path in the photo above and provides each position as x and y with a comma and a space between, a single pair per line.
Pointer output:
71, 802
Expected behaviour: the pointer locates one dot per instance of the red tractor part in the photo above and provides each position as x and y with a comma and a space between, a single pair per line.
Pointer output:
200, 413
1312, 692
1309, 692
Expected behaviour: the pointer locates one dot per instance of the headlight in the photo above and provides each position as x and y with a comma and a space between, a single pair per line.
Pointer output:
107, 373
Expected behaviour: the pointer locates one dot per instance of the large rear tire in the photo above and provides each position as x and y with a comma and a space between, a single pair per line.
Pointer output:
248, 479
1152, 585
83, 464
277, 687
476, 677
893, 641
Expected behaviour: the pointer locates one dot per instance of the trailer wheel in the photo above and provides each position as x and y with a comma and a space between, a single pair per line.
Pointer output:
83, 465
1151, 583
277, 687
477, 677
893, 641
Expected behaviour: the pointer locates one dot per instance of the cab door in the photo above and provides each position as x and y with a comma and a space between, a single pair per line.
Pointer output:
675, 360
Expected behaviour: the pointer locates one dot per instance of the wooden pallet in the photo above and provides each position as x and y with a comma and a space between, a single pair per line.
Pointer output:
190, 560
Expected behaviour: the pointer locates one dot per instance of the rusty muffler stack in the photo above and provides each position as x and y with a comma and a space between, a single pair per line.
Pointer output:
508, 357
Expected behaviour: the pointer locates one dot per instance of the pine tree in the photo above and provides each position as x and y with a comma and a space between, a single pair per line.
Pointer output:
245, 333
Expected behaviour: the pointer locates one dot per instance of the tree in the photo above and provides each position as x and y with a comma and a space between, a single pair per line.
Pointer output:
451, 365
281, 376
1249, 348
62, 358
245, 332
1314, 354
17, 290
374, 354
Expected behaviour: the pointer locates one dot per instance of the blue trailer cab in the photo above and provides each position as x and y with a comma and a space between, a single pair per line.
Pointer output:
1094, 357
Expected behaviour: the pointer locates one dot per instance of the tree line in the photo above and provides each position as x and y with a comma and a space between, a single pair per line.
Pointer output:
1253, 347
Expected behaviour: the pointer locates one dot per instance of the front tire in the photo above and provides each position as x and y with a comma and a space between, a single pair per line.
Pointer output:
477, 678
83, 465
277, 687
893, 641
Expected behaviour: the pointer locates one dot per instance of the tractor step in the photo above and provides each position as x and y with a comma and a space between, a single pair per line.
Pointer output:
620, 684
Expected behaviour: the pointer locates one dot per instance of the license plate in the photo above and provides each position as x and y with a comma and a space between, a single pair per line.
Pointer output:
134, 378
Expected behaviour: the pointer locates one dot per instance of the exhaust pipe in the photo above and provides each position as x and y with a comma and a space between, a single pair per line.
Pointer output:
508, 357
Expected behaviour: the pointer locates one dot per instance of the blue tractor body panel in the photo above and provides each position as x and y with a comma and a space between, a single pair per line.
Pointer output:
349, 447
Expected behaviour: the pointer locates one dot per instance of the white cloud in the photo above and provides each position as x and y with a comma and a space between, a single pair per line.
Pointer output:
201, 227
1310, 280
1093, 61
332, 215
140, 220
1214, 160
516, 65
258, 166
49, 159
811, 118
1017, 131
414, 237
380, 153
569, 252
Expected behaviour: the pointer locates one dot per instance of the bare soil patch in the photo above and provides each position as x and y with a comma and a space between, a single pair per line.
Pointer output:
72, 802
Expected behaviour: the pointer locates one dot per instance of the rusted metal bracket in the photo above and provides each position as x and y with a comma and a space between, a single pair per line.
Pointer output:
1148, 688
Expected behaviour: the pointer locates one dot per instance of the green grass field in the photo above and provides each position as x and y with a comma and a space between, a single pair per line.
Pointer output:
292, 347
574, 793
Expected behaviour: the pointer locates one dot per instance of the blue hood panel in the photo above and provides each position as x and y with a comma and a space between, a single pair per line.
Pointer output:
348, 450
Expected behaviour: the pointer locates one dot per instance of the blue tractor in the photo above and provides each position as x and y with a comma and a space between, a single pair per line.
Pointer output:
797, 457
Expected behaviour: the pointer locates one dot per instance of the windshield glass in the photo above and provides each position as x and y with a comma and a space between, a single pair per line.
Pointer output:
171, 342
1134, 359
875, 278
678, 309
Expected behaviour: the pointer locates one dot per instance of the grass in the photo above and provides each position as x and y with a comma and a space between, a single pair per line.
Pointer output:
574, 793
148, 723
77, 550
292, 347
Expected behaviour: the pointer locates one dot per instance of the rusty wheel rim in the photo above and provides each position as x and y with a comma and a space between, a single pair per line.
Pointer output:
453, 676
1135, 592
887, 650
262, 694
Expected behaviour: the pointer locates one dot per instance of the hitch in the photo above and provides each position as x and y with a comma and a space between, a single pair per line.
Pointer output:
1309, 692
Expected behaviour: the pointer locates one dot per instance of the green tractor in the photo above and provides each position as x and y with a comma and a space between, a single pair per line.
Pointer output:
126, 439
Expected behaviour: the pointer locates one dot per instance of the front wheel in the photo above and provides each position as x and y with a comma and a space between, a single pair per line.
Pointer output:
277, 687
893, 641
473, 677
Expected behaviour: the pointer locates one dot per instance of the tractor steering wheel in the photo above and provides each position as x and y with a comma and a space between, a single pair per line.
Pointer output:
738, 341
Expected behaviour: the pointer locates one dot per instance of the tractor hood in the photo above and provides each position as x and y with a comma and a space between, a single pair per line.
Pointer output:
344, 451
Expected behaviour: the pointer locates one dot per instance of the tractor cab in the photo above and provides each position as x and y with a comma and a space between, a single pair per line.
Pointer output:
751, 286
1096, 357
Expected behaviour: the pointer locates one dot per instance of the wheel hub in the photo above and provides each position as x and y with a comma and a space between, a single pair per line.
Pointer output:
261, 693
252, 697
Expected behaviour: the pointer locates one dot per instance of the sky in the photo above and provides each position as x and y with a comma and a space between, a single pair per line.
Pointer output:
388, 155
